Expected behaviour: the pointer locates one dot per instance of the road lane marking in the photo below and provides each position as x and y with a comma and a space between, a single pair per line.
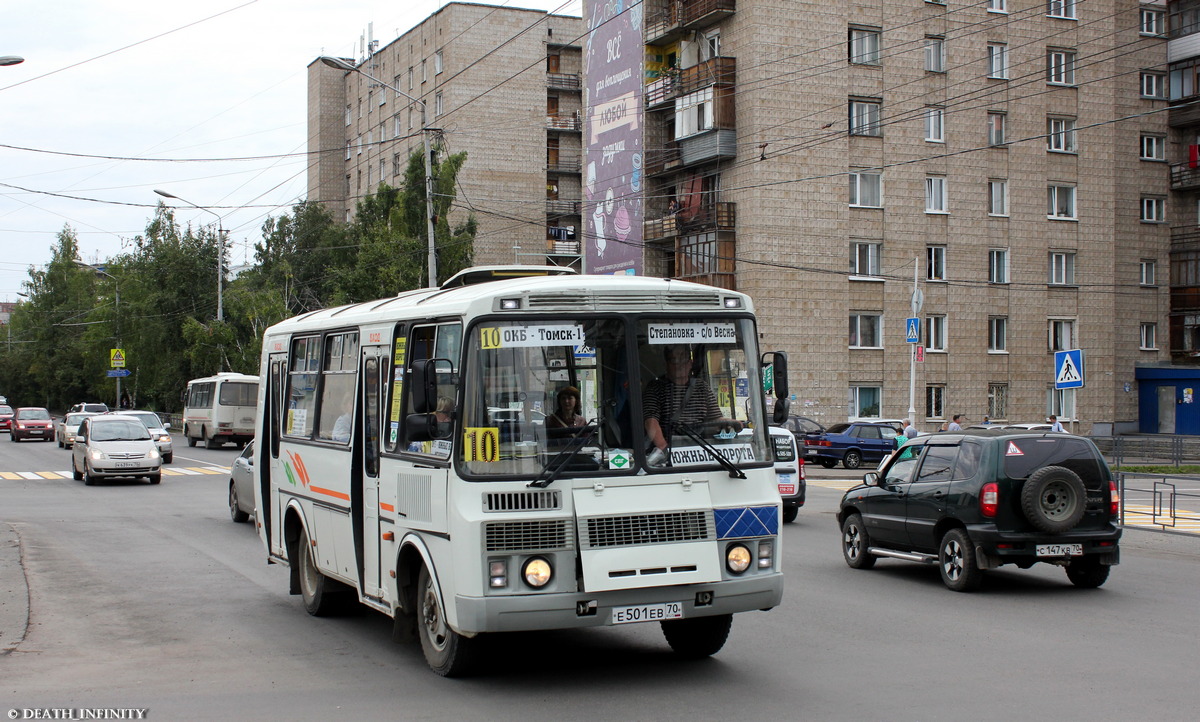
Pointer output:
28, 475
11, 476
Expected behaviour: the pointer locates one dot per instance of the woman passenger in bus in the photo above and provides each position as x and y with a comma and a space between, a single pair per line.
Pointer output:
566, 412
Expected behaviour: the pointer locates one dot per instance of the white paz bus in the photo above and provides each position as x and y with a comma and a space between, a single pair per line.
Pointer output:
220, 409
409, 459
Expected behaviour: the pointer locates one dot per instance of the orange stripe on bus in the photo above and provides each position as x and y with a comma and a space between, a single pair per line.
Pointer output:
386, 507
330, 492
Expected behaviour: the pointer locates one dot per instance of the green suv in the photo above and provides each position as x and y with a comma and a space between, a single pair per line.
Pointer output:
973, 501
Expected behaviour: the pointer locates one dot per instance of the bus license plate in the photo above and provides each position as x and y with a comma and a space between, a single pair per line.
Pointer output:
647, 613
1059, 550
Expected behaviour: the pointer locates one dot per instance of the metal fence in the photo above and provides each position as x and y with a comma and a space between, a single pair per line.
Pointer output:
1157, 501
1160, 449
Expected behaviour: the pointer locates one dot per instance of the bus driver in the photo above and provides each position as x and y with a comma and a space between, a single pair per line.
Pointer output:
677, 397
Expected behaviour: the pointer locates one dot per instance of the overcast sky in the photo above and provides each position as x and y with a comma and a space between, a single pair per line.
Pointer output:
187, 84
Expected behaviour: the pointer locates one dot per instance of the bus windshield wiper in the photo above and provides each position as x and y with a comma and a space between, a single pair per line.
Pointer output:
726, 464
559, 461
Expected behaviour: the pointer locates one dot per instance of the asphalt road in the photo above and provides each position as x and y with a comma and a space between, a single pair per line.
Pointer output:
150, 597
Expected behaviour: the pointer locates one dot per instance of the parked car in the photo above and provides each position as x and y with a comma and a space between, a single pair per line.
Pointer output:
851, 444
158, 432
114, 445
66, 427
789, 472
6, 414
1028, 427
88, 408
241, 485
801, 426
969, 502
32, 422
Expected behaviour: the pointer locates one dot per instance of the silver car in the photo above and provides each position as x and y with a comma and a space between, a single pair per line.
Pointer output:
158, 431
114, 445
66, 428
241, 485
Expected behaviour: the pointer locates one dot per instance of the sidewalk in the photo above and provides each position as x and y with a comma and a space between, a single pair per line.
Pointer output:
14, 593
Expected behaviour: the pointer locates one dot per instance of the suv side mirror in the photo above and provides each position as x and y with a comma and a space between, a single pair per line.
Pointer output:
871, 478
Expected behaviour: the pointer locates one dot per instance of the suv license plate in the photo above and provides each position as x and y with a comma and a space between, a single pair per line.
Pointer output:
1059, 550
647, 613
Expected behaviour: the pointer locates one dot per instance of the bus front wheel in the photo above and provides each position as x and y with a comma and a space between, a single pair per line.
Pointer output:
317, 590
699, 637
447, 652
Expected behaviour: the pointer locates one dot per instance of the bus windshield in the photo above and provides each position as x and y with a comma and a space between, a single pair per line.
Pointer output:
610, 395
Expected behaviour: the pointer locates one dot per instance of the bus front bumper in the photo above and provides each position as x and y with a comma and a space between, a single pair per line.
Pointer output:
527, 612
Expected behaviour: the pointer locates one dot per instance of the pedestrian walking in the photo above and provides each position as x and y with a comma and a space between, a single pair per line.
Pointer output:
954, 425
1055, 424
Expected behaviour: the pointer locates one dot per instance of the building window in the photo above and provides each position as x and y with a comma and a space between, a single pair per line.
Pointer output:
997, 6
1062, 334
437, 62
694, 113
866, 330
1061, 9
935, 333
935, 194
1149, 337
997, 61
935, 54
997, 197
1154, 22
1148, 272
1060, 67
358, 144
864, 258
1061, 403
1154, 209
998, 265
864, 46
1061, 202
1062, 268
410, 77
1154, 147
996, 126
935, 263
1060, 135
349, 115
934, 132
424, 71
347, 150
396, 125
866, 189
396, 167
997, 401
998, 334
935, 402
865, 402
1191, 333
865, 117
1154, 85
437, 105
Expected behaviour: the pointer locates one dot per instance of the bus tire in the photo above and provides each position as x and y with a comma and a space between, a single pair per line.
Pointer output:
209, 443
699, 637
446, 652
188, 433
320, 594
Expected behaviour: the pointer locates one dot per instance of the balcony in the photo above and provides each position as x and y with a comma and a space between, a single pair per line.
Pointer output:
563, 121
1184, 176
563, 81
663, 160
714, 71
1184, 112
1185, 238
674, 17
706, 218
556, 247
562, 165
559, 207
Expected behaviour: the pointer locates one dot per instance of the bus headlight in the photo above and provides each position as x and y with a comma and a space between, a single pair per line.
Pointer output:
537, 572
765, 548
737, 558
498, 573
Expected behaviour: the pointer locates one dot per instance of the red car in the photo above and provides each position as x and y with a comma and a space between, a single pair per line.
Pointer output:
6, 414
32, 422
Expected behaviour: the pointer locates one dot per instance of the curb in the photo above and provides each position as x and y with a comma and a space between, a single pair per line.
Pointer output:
14, 591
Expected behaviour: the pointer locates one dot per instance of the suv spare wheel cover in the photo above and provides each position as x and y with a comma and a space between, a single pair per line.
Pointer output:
1053, 499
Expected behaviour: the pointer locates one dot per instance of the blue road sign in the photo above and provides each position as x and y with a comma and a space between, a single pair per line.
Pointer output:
1068, 369
912, 330
118, 372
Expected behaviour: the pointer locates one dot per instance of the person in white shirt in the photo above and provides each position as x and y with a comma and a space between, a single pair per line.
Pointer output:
1055, 424
954, 425
909, 430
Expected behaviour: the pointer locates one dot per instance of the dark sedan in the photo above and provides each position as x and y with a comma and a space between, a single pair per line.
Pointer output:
852, 444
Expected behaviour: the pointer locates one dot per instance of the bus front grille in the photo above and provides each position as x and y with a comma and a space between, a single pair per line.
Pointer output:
638, 529
514, 536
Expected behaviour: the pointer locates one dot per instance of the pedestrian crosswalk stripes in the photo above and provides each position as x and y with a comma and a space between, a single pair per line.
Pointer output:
167, 471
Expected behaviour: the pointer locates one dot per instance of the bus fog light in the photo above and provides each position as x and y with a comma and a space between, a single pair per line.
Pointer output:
537, 572
737, 558
498, 573
765, 555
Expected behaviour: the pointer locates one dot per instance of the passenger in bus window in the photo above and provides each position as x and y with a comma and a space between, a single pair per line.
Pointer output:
341, 427
566, 412
677, 398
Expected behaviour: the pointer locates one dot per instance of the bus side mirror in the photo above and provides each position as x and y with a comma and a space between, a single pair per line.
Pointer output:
778, 363
424, 387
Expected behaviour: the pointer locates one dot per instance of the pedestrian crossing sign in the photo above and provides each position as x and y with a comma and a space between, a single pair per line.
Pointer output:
912, 330
1068, 369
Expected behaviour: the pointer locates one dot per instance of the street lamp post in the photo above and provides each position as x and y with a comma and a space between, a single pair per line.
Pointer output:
117, 321
220, 251
343, 65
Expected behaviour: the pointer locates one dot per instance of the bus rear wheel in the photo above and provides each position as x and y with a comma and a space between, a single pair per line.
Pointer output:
188, 433
447, 652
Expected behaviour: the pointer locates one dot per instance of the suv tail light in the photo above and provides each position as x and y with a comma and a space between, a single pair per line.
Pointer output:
989, 499
801, 465
1114, 500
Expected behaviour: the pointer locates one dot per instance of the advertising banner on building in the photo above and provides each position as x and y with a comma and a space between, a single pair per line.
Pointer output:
612, 142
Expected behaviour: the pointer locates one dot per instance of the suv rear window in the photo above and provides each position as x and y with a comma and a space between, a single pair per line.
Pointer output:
1022, 457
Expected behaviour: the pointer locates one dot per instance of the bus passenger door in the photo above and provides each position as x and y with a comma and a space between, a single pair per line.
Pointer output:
372, 383
267, 450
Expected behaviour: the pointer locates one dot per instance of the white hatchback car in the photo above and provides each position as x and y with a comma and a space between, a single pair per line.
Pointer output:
112, 446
